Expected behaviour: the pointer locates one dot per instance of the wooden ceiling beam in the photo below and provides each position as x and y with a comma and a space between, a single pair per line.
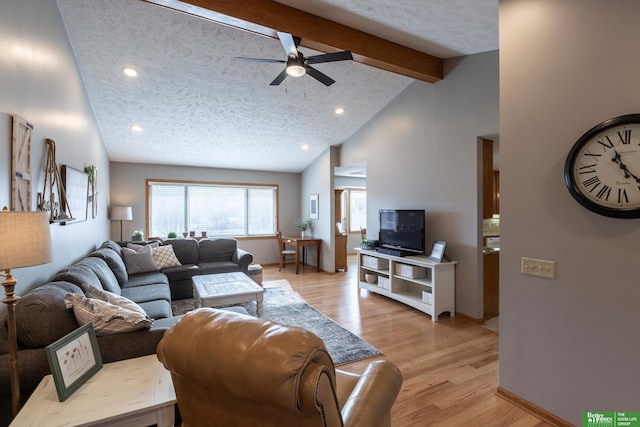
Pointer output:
265, 17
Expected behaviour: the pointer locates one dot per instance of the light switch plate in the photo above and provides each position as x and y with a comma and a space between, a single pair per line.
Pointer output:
538, 267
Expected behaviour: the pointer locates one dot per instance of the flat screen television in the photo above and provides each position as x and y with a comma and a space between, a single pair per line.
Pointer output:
402, 229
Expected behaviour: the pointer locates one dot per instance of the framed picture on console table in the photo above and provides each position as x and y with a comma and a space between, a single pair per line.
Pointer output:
438, 251
74, 359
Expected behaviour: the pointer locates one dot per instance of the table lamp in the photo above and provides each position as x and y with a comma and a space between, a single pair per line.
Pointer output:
25, 240
121, 213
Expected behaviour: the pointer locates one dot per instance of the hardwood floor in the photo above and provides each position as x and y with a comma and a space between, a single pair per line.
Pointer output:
450, 367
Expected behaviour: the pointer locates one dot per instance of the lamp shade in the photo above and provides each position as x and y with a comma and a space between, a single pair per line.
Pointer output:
121, 213
25, 239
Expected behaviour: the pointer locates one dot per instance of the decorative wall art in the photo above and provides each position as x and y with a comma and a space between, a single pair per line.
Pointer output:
21, 164
313, 206
92, 171
52, 199
76, 190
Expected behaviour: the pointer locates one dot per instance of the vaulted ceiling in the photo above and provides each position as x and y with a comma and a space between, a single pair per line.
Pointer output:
197, 106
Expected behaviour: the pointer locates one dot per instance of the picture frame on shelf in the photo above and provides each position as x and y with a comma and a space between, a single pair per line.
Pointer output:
437, 252
76, 192
74, 359
313, 207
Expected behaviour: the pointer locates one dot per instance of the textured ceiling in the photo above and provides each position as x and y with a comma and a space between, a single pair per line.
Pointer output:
197, 106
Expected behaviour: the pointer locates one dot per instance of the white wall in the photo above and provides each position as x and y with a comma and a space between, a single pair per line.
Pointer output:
39, 81
421, 152
128, 189
568, 345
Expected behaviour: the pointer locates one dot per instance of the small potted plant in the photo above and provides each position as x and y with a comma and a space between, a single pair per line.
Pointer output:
304, 226
138, 235
172, 235
366, 244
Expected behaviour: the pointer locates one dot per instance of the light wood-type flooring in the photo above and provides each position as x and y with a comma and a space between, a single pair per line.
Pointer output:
450, 367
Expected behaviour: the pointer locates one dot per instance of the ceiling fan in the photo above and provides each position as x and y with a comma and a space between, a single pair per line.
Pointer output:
299, 65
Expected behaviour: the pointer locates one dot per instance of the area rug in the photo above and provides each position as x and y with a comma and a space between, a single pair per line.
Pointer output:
283, 306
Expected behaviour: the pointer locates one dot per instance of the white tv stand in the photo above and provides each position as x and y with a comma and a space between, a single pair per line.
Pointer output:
434, 294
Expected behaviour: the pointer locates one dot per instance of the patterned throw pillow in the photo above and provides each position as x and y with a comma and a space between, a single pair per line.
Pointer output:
91, 291
107, 318
165, 257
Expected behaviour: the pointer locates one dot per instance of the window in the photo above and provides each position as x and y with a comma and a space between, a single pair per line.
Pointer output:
354, 209
221, 210
357, 209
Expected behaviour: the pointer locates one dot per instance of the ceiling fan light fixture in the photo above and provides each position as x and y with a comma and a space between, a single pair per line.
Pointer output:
295, 67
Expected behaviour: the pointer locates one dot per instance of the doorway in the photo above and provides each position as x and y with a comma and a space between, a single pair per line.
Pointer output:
490, 228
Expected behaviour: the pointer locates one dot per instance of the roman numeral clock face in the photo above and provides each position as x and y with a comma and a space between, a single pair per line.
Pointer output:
602, 170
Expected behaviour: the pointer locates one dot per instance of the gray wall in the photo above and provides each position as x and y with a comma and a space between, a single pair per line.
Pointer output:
40, 82
127, 188
567, 345
318, 179
421, 152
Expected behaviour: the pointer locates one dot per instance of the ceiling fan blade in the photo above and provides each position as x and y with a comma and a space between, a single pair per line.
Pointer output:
279, 78
260, 60
288, 43
322, 78
345, 55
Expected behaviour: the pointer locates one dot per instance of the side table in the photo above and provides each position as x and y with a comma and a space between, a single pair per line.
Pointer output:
133, 392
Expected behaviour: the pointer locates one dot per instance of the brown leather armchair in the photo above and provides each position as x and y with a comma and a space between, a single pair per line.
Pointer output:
230, 369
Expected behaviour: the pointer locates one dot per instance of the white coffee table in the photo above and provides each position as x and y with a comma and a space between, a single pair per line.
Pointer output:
215, 290
133, 392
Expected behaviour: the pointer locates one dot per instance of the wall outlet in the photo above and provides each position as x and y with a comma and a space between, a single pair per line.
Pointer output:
539, 267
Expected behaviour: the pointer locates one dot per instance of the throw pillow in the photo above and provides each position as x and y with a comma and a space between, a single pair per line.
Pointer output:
107, 318
165, 257
137, 247
140, 261
91, 291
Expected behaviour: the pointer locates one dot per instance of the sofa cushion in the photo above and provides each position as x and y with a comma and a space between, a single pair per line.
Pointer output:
112, 245
147, 293
104, 273
143, 279
114, 261
108, 318
165, 257
158, 309
183, 272
78, 275
218, 267
42, 317
140, 261
186, 250
212, 250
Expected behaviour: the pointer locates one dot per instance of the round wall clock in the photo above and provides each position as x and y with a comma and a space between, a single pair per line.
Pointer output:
602, 170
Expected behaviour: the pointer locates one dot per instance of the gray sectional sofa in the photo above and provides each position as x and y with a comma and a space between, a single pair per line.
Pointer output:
206, 256
42, 315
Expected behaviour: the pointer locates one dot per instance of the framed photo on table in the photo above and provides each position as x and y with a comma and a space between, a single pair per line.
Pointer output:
313, 206
74, 359
437, 253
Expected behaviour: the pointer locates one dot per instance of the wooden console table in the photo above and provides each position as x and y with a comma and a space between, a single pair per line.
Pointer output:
133, 392
299, 243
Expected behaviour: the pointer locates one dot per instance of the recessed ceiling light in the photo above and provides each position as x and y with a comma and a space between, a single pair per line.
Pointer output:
131, 72
136, 128
305, 147
339, 110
